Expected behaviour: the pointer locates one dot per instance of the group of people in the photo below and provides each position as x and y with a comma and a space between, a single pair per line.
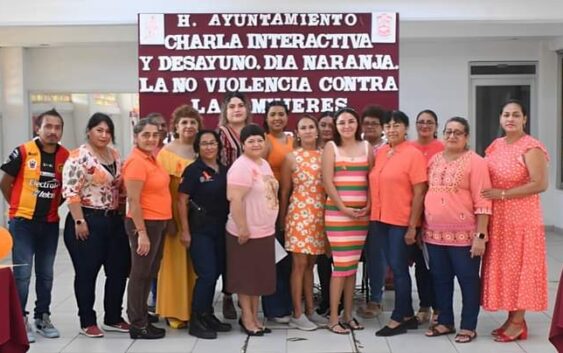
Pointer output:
214, 203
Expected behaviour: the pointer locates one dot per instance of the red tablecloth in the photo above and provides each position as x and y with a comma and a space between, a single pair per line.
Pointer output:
556, 332
13, 338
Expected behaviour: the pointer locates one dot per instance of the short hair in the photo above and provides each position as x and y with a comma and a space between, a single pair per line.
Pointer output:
373, 111
433, 115
50, 112
199, 135
297, 140
251, 130
326, 113
460, 120
154, 115
98, 118
142, 123
185, 111
270, 105
226, 99
396, 116
357, 136
517, 102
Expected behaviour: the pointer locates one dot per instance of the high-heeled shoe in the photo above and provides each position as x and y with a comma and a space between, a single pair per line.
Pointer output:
503, 337
250, 332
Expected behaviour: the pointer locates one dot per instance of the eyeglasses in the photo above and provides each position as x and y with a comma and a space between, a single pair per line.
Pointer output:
456, 133
208, 144
428, 123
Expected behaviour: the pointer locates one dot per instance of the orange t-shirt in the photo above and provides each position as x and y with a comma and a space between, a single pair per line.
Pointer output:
430, 149
156, 201
391, 180
278, 151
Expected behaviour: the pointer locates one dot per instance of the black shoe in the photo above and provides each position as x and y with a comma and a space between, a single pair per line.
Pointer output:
155, 329
410, 324
152, 318
144, 333
200, 329
248, 332
214, 323
387, 331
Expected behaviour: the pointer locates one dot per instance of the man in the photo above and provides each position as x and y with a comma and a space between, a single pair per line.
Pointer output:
31, 184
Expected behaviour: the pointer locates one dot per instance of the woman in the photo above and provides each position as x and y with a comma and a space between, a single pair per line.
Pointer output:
514, 267
236, 113
324, 262
204, 188
397, 185
253, 194
346, 162
278, 306
455, 229
176, 278
94, 233
429, 145
303, 214
149, 201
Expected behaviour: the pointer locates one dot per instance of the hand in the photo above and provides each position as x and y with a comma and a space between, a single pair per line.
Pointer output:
144, 244
492, 194
82, 231
352, 212
243, 235
410, 236
362, 212
171, 228
186, 238
478, 247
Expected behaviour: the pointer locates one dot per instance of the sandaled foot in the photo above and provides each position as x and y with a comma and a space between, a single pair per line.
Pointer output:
439, 330
338, 328
354, 325
465, 336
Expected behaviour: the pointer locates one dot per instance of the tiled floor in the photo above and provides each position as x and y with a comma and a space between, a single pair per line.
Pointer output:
287, 340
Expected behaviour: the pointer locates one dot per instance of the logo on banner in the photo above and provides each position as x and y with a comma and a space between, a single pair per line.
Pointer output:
151, 29
384, 27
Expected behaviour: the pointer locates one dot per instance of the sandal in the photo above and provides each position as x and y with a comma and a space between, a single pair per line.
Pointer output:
464, 337
434, 332
354, 325
339, 329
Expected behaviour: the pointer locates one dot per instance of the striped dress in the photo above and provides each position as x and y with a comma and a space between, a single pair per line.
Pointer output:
347, 235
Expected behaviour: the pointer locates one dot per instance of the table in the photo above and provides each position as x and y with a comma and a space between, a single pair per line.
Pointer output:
13, 337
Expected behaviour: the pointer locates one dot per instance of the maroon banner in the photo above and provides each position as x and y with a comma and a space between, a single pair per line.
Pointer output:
315, 62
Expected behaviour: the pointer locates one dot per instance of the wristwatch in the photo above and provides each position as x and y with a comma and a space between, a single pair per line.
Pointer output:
481, 236
79, 222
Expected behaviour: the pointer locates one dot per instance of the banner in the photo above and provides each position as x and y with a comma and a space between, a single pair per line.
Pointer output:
315, 62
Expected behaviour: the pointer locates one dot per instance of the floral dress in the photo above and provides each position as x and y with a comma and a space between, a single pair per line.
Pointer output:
305, 216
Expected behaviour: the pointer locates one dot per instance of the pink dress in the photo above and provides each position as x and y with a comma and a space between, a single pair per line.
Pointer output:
514, 269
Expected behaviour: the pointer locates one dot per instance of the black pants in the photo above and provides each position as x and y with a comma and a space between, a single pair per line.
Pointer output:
108, 246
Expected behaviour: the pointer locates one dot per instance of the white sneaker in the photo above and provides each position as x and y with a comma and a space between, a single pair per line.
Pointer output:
29, 330
282, 319
317, 319
302, 323
45, 327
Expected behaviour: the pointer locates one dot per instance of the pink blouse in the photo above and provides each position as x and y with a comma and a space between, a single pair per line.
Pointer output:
454, 198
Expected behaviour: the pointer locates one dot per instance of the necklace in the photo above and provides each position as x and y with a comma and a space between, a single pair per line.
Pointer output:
105, 160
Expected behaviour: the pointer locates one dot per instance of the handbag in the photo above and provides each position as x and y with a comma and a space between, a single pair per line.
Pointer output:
197, 215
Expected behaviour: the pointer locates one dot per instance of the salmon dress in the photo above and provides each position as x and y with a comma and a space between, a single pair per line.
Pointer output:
176, 278
514, 271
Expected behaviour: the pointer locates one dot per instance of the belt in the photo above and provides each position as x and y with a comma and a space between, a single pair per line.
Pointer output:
100, 211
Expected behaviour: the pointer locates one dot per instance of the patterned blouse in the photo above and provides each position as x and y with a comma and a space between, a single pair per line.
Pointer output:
88, 182
232, 147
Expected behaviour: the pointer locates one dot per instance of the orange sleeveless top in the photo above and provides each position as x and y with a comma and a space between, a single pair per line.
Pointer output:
278, 153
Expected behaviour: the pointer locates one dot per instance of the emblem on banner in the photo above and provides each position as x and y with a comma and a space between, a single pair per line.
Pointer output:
383, 28
151, 29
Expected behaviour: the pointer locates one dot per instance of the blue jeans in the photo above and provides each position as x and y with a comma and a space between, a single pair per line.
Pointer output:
39, 239
279, 304
107, 245
375, 257
445, 263
398, 253
207, 251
